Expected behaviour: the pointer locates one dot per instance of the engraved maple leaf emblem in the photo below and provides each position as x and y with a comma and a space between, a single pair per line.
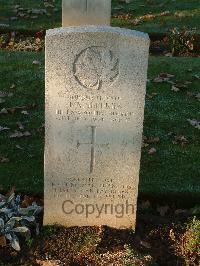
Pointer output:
95, 66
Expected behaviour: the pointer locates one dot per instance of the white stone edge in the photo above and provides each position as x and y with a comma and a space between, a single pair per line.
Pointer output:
84, 29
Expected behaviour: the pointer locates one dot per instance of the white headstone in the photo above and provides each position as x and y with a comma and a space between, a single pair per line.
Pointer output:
86, 12
95, 92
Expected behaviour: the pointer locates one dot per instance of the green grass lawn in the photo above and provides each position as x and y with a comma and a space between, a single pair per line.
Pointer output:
173, 169
51, 19
182, 13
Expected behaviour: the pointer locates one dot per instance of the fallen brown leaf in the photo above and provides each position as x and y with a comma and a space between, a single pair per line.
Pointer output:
136, 21
18, 134
159, 80
172, 235
4, 159
19, 147
194, 123
152, 151
24, 112
27, 134
180, 139
11, 110
4, 94
12, 86
166, 75
151, 96
181, 85
4, 111
27, 201
163, 77
4, 128
46, 4
175, 89
48, 262
180, 14
2, 241
19, 124
36, 62
165, 13
152, 140
144, 144
168, 55
197, 76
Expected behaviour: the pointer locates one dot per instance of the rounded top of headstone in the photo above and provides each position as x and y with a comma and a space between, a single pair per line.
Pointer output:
100, 29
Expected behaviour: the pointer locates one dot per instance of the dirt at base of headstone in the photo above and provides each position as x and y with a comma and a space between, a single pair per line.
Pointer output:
153, 242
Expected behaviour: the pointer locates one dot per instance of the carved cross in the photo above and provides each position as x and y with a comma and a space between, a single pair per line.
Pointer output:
86, 12
86, 5
93, 146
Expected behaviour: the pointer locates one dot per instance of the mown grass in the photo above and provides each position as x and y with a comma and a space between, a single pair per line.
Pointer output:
50, 20
188, 15
25, 169
173, 169
183, 13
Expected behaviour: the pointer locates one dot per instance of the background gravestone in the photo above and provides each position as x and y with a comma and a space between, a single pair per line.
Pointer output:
95, 91
86, 12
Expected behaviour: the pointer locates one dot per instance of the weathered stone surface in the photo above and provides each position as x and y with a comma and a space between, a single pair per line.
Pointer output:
86, 12
95, 91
